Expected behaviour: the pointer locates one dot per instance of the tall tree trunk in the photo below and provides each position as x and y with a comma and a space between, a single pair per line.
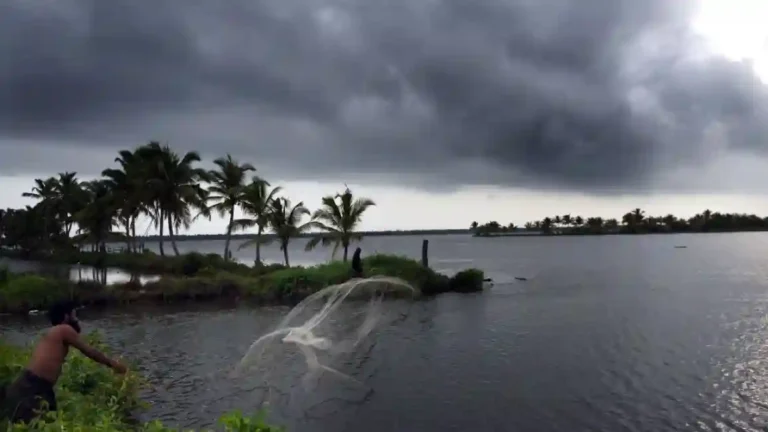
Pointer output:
346, 250
229, 234
47, 226
258, 246
128, 234
133, 234
285, 254
161, 220
170, 235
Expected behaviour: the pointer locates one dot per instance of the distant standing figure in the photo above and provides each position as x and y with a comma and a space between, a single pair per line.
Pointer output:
357, 263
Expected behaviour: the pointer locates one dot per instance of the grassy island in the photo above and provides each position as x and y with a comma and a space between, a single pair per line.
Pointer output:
266, 285
92, 398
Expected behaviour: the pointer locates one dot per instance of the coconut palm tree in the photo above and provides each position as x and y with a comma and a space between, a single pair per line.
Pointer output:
256, 204
129, 186
96, 220
70, 197
45, 192
546, 224
173, 184
285, 221
226, 191
43, 189
638, 215
339, 216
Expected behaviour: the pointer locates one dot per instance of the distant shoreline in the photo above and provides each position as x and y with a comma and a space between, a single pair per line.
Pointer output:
612, 233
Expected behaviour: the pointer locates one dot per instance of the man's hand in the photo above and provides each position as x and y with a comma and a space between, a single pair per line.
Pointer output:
118, 367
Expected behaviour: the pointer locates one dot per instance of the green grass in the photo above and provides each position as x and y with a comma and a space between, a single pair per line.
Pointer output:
282, 286
91, 398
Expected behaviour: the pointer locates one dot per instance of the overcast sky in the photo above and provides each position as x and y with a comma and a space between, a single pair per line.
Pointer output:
443, 111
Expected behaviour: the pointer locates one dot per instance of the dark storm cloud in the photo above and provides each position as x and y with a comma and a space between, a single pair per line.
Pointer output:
596, 95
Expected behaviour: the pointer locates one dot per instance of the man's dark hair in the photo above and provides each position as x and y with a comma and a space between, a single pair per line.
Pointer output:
60, 310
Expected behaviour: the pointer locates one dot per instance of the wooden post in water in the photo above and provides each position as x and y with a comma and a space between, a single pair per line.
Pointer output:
425, 253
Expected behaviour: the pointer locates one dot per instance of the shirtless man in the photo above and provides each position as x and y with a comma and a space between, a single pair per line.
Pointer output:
33, 390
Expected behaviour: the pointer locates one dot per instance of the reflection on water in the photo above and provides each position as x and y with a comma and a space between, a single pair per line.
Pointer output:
608, 334
75, 273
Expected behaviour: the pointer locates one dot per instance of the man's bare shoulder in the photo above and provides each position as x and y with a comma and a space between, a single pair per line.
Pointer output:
62, 332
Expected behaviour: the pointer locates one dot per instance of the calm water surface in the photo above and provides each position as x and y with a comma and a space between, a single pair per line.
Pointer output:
615, 333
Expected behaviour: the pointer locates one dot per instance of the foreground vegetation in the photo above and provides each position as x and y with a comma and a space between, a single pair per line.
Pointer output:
634, 222
21, 293
153, 182
91, 398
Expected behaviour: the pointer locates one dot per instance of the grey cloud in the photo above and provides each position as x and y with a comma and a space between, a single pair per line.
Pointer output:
594, 95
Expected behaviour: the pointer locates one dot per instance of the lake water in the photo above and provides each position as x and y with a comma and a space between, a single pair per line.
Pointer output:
613, 333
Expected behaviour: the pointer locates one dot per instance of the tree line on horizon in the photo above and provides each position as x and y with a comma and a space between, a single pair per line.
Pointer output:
633, 222
172, 191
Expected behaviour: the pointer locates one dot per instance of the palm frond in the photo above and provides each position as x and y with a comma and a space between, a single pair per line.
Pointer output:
243, 224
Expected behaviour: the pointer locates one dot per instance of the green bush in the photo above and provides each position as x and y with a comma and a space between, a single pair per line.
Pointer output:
4, 274
92, 398
292, 283
470, 280
30, 292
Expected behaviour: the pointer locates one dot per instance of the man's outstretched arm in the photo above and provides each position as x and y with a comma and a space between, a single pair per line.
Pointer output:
72, 338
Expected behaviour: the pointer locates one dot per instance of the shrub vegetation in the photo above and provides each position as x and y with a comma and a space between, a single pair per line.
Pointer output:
91, 398
274, 284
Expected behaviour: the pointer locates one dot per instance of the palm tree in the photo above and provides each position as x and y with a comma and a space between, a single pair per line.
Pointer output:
339, 216
45, 192
256, 204
226, 191
595, 223
546, 224
669, 220
96, 220
128, 184
71, 198
637, 216
473, 226
173, 182
285, 221
43, 189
